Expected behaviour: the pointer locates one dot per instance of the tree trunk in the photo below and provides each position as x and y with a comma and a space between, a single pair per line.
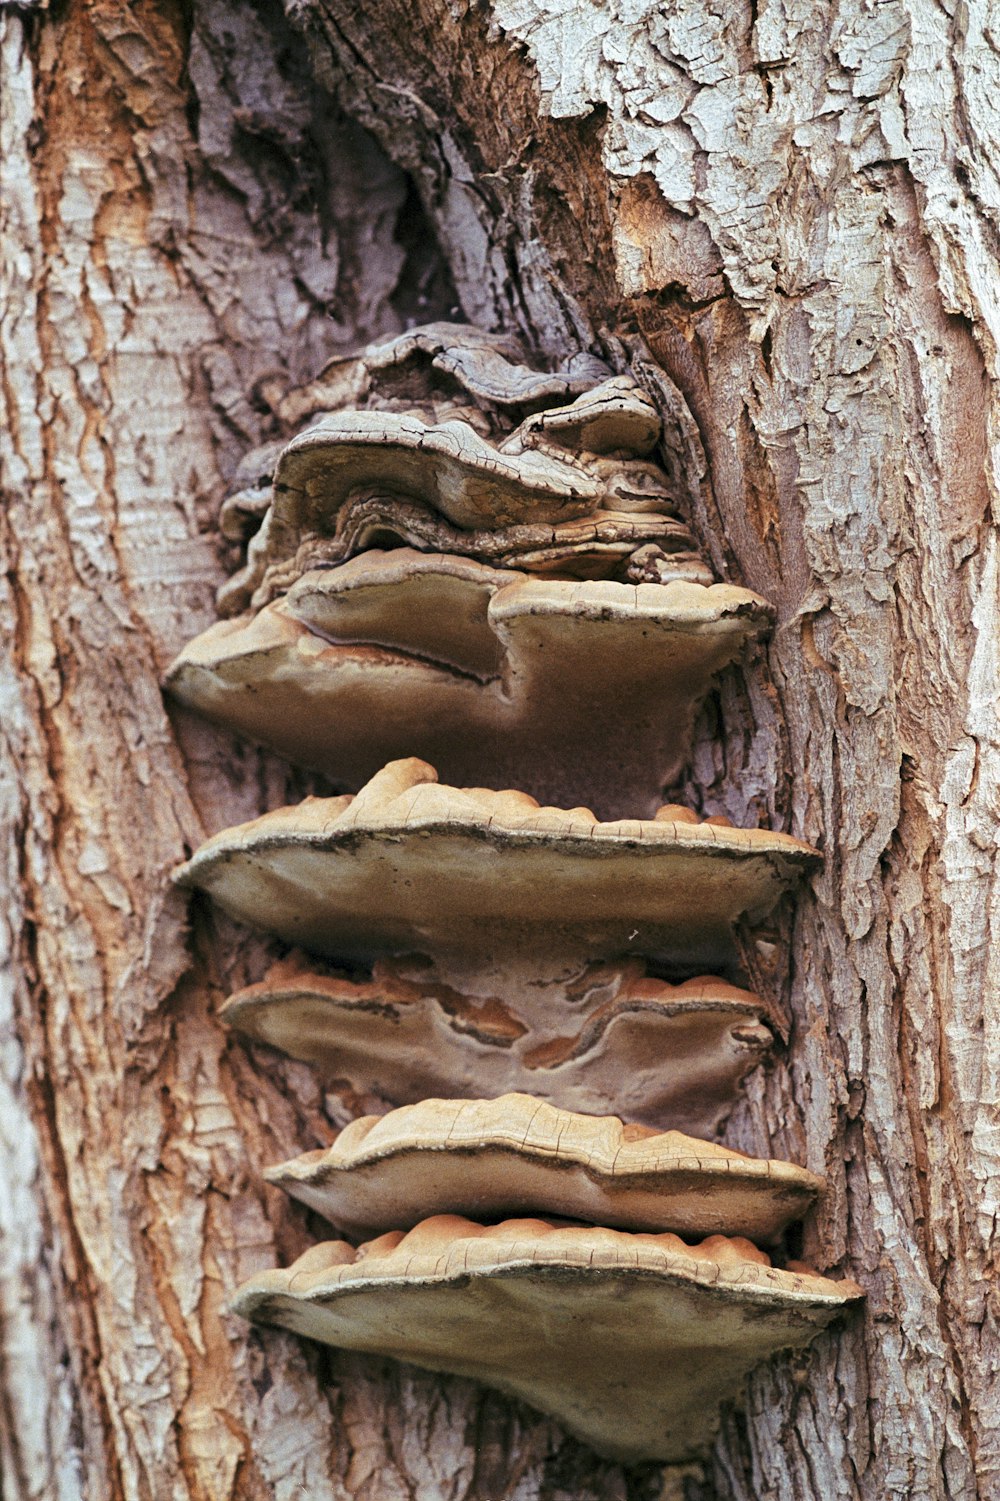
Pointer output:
783, 218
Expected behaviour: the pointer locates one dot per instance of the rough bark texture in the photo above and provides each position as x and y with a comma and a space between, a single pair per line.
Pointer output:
784, 217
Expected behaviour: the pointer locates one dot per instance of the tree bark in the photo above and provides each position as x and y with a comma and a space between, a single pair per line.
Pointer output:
783, 218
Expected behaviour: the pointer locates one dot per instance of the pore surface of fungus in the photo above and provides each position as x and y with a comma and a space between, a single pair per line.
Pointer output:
497, 678
533, 683
515, 1156
410, 865
630, 1340
609, 1039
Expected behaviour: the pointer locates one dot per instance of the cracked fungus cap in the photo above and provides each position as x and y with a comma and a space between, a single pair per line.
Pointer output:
567, 490
630, 1340
530, 479
410, 865
448, 465
488, 366
490, 1159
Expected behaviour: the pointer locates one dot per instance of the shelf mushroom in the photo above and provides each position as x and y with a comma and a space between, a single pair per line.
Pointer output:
491, 878
515, 1156
481, 563
608, 1039
506, 590
356, 477
451, 359
391, 452
631, 1340
493, 676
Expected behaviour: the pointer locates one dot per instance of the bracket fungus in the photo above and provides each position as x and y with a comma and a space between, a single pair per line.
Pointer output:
516, 1156
608, 1039
631, 1340
471, 562
408, 864
492, 676
450, 358
415, 464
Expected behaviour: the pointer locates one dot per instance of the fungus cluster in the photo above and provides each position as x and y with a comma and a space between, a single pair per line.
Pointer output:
466, 561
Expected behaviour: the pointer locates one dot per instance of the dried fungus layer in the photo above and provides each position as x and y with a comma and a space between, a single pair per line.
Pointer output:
613, 417
455, 472
435, 473
655, 1333
514, 1156
354, 475
409, 865
610, 1040
455, 361
487, 366
543, 684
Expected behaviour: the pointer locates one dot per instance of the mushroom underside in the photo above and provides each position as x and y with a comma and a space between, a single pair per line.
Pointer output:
655, 1333
408, 865
543, 685
662, 1055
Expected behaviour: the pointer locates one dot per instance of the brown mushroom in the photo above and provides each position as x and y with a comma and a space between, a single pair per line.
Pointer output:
609, 1039
514, 1156
408, 864
630, 1340
590, 675
427, 605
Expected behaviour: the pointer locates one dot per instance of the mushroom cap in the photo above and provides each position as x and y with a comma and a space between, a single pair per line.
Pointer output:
385, 656
428, 605
662, 1054
409, 865
630, 1340
426, 461
516, 1156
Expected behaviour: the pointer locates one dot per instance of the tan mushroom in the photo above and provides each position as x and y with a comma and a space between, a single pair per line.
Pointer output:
630, 1340
418, 468
609, 1039
408, 864
514, 1156
424, 604
386, 656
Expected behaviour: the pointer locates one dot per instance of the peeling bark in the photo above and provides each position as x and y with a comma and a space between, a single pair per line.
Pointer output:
783, 219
